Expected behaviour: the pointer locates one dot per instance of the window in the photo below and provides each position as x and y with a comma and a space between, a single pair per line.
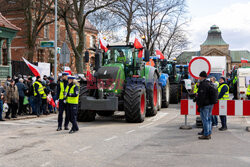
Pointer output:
58, 32
115, 52
92, 41
46, 31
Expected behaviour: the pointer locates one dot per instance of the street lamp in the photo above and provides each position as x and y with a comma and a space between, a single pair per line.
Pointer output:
55, 43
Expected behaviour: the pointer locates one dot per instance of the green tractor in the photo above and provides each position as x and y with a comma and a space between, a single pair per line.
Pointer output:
169, 67
122, 82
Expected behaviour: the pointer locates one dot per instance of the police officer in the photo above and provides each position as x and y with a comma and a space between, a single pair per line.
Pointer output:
38, 94
248, 91
223, 91
61, 93
72, 99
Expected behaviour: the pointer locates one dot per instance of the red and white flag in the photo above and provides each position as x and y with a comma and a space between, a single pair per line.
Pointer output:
35, 69
103, 43
159, 54
138, 45
68, 70
244, 60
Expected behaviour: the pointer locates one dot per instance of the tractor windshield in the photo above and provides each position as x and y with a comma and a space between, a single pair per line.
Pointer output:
119, 55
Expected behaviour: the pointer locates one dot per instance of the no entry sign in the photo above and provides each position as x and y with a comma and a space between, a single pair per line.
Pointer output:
197, 65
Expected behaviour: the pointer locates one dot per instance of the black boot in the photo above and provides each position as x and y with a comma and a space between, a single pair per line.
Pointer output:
59, 129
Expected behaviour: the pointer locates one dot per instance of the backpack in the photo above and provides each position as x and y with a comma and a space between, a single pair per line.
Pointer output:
213, 93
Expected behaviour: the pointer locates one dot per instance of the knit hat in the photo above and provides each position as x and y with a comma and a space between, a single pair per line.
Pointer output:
224, 79
203, 74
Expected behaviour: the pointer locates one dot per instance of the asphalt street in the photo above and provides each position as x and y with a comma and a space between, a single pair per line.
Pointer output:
111, 142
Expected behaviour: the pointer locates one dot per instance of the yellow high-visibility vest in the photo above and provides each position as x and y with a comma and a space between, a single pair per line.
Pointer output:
71, 100
62, 91
196, 88
226, 95
248, 91
40, 88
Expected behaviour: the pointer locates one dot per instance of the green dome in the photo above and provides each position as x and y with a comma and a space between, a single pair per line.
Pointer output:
214, 37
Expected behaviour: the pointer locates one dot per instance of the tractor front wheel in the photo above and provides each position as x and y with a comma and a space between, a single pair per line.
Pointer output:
135, 102
166, 95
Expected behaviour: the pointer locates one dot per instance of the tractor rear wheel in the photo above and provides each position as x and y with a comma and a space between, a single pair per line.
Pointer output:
135, 102
174, 94
105, 113
159, 100
166, 95
152, 97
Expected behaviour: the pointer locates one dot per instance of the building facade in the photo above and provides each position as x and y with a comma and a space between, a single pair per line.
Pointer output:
19, 47
214, 45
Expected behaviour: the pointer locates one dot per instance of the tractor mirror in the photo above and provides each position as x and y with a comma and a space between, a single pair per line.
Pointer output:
97, 61
146, 55
86, 57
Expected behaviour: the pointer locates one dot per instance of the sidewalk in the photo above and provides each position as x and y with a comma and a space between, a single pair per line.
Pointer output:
23, 117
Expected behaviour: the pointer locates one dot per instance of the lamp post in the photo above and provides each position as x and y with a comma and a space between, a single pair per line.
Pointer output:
55, 43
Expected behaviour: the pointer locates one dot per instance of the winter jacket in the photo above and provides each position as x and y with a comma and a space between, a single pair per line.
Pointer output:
12, 95
203, 94
21, 88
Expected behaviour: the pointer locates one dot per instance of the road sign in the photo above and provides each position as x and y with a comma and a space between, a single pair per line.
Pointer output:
65, 54
197, 65
47, 44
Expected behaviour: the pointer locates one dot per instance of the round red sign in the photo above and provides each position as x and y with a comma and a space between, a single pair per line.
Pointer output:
197, 65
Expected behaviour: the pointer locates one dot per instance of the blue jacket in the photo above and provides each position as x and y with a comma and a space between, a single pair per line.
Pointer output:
21, 88
223, 90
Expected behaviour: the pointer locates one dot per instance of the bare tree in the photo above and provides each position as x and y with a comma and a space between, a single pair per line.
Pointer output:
74, 14
36, 14
156, 17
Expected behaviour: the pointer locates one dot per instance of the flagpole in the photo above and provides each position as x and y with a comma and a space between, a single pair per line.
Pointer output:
55, 43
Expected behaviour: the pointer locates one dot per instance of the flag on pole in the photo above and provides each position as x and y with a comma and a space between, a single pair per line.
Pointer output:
103, 43
34, 69
138, 45
159, 54
244, 60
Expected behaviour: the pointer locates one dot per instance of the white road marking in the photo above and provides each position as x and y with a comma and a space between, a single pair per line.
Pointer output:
143, 126
159, 116
111, 138
82, 149
45, 164
131, 131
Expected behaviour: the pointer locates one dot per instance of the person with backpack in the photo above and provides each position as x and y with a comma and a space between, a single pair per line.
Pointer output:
205, 100
223, 91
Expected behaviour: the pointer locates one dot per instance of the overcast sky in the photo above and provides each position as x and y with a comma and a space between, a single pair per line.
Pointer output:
232, 16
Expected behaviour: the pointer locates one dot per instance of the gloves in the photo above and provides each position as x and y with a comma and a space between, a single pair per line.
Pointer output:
56, 102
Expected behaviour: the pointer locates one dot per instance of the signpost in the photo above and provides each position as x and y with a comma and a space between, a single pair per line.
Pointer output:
197, 65
65, 54
47, 44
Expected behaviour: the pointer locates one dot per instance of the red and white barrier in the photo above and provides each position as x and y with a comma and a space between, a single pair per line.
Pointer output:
223, 107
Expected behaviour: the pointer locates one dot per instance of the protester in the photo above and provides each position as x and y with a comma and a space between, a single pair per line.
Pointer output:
30, 94
7, 83
2, 91
248, 91
214, 117
204, 106
21, 90
223, 91
12, 97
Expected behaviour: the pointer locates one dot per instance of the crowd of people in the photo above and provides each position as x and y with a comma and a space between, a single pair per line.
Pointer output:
18, 94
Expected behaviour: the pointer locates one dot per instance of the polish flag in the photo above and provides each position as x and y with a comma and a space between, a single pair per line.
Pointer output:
68, 70
35, 70
103, 43
159, 54
138, 45
244, 60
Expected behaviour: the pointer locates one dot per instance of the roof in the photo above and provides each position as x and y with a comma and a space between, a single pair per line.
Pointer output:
186, 56
238, 54
214, 37
6, 24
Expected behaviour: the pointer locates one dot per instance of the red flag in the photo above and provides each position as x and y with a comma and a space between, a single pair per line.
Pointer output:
138, 46
103, 43
158, 53
89, 76
35, 70
243, 60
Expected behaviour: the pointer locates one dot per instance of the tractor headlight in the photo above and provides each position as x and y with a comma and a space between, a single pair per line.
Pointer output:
112, 86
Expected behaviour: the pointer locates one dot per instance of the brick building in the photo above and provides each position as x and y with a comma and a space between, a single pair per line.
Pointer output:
216, 46
19, 47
